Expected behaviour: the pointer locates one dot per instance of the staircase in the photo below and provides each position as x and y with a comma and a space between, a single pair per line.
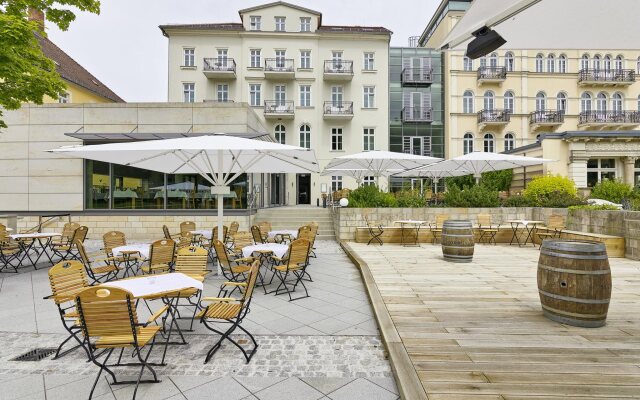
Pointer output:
295, 216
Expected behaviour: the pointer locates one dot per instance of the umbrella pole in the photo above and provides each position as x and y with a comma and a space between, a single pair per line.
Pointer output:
220, 196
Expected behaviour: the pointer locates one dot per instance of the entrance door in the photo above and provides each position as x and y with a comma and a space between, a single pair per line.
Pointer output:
304, 188
276, 192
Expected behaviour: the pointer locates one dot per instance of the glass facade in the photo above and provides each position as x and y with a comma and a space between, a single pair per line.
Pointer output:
119, 187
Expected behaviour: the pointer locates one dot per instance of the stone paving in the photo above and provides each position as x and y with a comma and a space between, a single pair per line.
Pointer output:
325, 346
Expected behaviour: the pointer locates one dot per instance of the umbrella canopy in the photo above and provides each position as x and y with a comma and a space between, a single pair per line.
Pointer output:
357, 174
380, 163
437, 171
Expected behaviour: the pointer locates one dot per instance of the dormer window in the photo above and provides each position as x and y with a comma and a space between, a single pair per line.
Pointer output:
305, 24
64, 98
280, 24
255, 23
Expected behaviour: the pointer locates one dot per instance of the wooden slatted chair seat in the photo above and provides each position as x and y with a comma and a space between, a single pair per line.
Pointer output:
98, 273
143, 336
222, 310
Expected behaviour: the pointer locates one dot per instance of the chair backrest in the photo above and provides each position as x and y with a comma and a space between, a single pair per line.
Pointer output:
484, 220
221, 253
256, 232
69, 229
251, 282
314, 232
192, 261
556, 221
265, 226
233, 228
225, 231
4, 235
305, 233
165, 230
299, 253
106, 311
184, 241
113, 239
242, 239
440, 218
80, 234
66, 279
303, 229
83, 253
187, 226
162, 252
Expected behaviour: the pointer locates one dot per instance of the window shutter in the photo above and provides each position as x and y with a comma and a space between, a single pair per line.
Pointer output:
426, 106
426, 146
406, 100
425, 71
406, 144
406, 65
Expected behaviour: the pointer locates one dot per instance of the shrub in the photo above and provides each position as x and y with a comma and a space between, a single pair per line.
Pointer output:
410, 198
612, 190
460, 181
552, 191
516, 201
559, 199
369, 196
497, 180
474, 196
596, 207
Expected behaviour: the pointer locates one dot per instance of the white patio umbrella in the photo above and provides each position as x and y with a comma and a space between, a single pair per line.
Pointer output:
435, 172
219, 158
357, 174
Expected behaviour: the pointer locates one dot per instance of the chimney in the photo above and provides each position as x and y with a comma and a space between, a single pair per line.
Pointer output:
37, 16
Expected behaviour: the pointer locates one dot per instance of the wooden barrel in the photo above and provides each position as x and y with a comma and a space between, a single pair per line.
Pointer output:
574, 282
457, 240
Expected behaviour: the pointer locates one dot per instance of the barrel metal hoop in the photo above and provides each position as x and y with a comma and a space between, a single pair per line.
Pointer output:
568, 245
575, 271
574, 256
573, 299
573, 314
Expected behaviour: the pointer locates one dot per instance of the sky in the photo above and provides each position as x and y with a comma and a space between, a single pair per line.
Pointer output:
124, 48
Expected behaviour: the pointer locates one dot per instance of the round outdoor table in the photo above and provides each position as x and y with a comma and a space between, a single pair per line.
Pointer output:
144, 249
407, 225
283, 234
279, 250
28, 241
529, 227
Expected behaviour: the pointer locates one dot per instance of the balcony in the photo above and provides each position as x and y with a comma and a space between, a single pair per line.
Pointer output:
491, 75
495, 118
338, 110
417, 76
546, 119
601, 77
279, 68
338, 70
275, 109
219, 68
417, 114
609, 119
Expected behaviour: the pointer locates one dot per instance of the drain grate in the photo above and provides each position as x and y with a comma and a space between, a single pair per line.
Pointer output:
36, 354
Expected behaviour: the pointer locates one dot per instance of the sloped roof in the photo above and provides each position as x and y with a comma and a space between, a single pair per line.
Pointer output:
75, 73
225, 26
279, 3
349, 29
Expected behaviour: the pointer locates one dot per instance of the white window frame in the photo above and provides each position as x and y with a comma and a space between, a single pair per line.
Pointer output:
467, 64
368, 180
551, 63
541, 101
603, 170
509, 61
468, 102
189, 57
369, 97
561, 102
281, 24
64, 98
489, 100
539, 63
305, 24
509, 101
368, 63
338, 143
562, 64
368, 139
305, 136
255, 23
305, 95
584, 62
255, 58
255, 94
280, 133
222, 92
489, 143
467, 143
509, 141
305, 59
189, 92
336, 183
586, 102
617, 102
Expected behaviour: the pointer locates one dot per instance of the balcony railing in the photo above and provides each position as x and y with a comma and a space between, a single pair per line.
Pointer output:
278, 107
338, 67
612, 76
417, 75
417, 114
492, 73
494, 116
546, 117
609, 117
278, 64
219, 65
342, 108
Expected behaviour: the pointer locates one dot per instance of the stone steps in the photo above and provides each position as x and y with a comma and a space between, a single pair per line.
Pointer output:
293, 217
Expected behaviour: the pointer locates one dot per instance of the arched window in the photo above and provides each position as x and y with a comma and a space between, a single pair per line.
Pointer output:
607, 63
280, 134
467, 102
601, 102
539, 63
493, 60
509, 102
489, 143
509, 61
305, 136
489, 100
509, 142
561, 103
584, 62
541, 101
467, 143
638, 65
562, 64
617, 103
483, 62
467, 64
619, 63
551, 63
585, 102
596, 62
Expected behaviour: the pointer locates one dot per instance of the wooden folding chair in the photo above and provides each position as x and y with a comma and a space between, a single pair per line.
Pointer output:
168, 235
231, 310
314, 231
187, 227
161, 256
98, 273
555, 226
436, 227
375, 232
487, 229
67, 234
10, 252
292, 265
265, 228
256, 232
130, 259
214, 236
233, 268
230, 236
69, 250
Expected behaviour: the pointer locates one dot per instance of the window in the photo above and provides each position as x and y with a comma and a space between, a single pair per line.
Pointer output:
619, 63
607, 63
369, 97
509, 102
636, 173
596, 62
305, 95
585, 102
97, 184
336, 56
64, 98
255, 94
369, 62
368, 181
617, 103
189, 59
280, 134
493, 60
305, 59
255, 56
489, 100
467, 102
255, 23
189, 91
418, 145
483, 62
281, 56
280, 24
541, 101
509, 142
467, 143
539, 63
280, 94
489, 143
336, 96
551, 63
601, 102
136, 188
509, 61
305, 24
336, 139
561, 103
584, 62
368, 139
336, 183
222, 93
223, 55
467, 64
562, 64
599, 169
305, 136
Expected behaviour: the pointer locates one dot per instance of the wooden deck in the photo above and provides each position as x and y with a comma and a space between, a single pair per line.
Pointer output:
476, 331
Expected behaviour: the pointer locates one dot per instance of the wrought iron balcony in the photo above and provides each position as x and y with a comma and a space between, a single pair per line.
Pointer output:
338, 110
417, 114
417, 76
279, 68
219, 68
493, 117
338, 70
279, 109
548, 118
492, 74
611, 77
609, 119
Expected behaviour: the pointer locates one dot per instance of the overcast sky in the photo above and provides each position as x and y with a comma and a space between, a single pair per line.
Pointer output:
124, 48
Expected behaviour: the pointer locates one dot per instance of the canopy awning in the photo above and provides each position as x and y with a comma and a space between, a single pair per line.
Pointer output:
139, 136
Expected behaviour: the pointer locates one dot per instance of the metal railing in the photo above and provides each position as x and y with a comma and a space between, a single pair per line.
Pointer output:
219, 64
546, 117
278, 64
417, 114
492, 73
338, 108
485, 116
607, 76
338, 67
609, 117
278, 107
417, 75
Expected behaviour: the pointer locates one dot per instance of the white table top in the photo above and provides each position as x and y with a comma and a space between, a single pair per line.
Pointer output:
206, 233
143, 248
291, 232
524, 222
279, 250
35, 235
410, 222
155, 284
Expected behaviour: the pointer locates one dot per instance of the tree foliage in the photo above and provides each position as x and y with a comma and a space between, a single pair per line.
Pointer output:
26, 75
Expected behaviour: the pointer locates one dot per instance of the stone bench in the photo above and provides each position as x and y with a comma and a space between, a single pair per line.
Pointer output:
615, 244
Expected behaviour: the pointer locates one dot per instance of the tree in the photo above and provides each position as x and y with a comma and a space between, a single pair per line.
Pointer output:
26, 75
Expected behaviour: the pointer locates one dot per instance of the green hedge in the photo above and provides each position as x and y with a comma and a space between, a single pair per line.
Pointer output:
495, 180
474, 196
612, 190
